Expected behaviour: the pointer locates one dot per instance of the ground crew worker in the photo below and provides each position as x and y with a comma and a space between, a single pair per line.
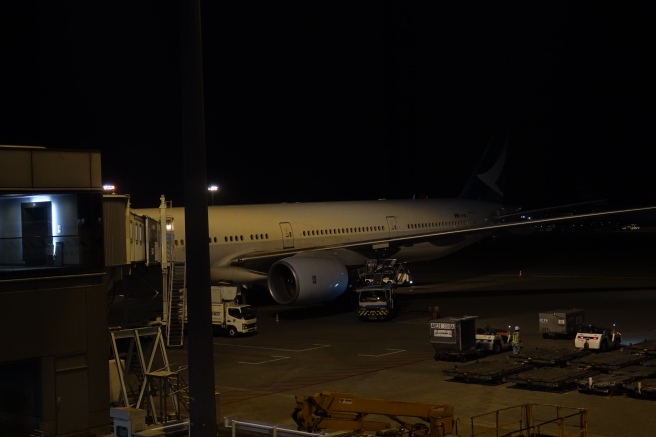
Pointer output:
516, 341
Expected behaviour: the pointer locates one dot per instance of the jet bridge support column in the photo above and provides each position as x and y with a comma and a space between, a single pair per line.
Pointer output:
166, 261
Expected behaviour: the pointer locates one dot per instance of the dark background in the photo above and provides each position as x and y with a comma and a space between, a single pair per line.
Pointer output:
319, 101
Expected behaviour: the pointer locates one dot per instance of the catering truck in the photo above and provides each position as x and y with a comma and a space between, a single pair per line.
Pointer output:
228, 315
378, 281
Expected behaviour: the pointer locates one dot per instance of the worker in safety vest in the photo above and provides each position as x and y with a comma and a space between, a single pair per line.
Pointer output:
516, 341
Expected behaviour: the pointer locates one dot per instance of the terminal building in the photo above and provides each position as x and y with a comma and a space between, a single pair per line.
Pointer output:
63, 244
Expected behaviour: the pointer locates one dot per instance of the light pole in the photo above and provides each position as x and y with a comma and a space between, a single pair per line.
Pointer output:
212, 189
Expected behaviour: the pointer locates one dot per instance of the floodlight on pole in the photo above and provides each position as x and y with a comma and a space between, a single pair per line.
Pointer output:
212, 189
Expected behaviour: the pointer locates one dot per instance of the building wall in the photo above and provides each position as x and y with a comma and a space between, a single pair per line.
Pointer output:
53, 369
54, 376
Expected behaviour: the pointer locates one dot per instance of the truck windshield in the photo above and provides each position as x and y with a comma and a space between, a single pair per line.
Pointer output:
372, 295
248, 312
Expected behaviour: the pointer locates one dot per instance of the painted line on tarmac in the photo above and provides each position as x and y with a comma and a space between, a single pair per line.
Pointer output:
317, 346
276, 358
396, 351
415, 321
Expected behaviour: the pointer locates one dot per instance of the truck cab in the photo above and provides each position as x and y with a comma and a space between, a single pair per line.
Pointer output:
228, 315
376, 302
234, 318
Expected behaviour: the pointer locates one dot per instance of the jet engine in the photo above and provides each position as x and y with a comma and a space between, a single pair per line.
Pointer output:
305, 280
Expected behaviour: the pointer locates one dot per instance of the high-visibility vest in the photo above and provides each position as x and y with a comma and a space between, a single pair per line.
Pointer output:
515, 337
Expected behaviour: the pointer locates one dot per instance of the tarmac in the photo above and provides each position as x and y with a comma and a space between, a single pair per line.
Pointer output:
309, 350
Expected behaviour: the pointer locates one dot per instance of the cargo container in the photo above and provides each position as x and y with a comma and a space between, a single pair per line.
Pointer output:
454, 338
561, 323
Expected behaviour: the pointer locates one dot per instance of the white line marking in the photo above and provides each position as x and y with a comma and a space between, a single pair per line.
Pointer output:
277, 358
396, 351
317, 346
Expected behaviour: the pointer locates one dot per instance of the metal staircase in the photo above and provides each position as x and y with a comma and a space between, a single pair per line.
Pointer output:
144, 373
176, 306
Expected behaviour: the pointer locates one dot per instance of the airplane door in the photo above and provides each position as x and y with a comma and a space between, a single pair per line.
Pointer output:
391, 223
287, 235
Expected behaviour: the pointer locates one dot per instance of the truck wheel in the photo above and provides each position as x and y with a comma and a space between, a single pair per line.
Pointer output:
232, 331
496, 347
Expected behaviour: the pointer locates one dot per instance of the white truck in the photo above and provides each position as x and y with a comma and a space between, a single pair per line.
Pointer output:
376, 302
228, 315
596, 338
378, 281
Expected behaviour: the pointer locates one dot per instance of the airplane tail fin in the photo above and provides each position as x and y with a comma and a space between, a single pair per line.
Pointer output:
487, 181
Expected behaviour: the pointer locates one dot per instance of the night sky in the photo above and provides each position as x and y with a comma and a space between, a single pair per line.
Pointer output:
318, 101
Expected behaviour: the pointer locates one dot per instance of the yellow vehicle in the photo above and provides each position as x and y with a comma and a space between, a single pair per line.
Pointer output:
346, 411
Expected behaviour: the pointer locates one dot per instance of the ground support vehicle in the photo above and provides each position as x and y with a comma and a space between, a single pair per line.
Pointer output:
377, 283
613, 360
550, 357
597, 338
486, 372
376, 302
615, 382
493, 340
458, 339
561, 323
643, 389
346, 411
384, 271
228, 315
647, 347
454, 338
550, 378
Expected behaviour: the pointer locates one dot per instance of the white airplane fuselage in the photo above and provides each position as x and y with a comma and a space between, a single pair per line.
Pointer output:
330, 235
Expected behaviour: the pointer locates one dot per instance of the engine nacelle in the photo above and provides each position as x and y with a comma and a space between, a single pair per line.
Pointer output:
306, 280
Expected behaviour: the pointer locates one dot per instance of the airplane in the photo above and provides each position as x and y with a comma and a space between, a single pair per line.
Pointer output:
307, 253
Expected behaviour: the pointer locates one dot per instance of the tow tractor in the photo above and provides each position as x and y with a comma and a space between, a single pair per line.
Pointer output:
493, 340
601, 339
346, 411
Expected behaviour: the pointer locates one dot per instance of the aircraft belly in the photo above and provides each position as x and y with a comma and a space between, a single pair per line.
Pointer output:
434, 249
